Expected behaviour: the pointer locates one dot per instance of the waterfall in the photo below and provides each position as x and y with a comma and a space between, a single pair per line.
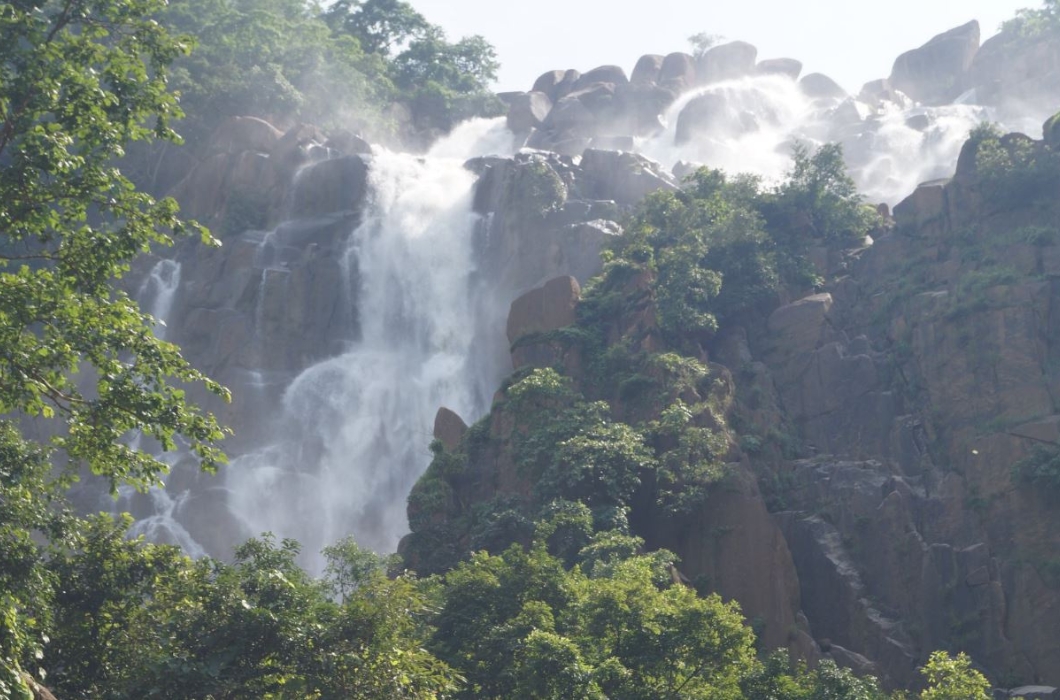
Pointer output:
354, 430
157, 291
754, 121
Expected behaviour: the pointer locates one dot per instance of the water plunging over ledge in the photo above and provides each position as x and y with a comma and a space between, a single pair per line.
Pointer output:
353, 430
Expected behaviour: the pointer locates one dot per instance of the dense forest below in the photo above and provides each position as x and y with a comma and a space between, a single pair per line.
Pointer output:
618, 428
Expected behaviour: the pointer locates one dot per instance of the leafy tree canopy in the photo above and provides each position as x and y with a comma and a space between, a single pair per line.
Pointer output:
1034, 22
79, 365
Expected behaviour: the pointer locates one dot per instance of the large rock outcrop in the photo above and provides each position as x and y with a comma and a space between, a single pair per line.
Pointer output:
937, 71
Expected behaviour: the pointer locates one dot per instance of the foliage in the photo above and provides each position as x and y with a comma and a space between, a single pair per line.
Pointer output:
694, 459
80, 81
572, 449
621, 631
379, 26
28, 505
702, 42
446, 82
819, 201
721, 247
271, 58
1041, 469
443, 82
777, 678
1013, 170
953, 678
1034, 22
139, 620
350, 566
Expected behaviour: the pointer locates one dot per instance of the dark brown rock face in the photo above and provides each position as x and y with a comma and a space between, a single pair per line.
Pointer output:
449, 428
544, 309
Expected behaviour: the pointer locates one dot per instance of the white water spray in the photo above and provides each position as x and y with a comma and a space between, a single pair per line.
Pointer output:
355, 428
157, 292
755, 121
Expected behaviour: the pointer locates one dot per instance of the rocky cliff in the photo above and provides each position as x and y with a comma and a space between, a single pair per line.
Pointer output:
883, 497
879, 493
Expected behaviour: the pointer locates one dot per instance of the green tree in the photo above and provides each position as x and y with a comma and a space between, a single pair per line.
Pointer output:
953, 678
380, 26
447, 82
819, 202
521, 624
275, 59
1034, 22
79, 365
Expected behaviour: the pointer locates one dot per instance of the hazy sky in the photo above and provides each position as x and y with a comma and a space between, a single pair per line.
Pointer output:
851, 40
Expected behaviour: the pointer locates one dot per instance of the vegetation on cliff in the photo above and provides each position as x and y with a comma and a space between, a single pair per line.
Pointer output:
343, 66
543, 589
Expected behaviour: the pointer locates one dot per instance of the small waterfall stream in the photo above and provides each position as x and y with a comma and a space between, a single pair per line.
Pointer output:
157, 292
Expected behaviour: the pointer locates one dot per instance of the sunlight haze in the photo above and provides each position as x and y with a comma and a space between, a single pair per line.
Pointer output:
853, 42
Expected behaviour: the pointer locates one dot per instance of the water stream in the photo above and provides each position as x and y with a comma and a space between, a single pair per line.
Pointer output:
353, 430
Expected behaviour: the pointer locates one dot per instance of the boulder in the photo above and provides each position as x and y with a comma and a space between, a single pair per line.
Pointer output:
926, 206
697, 116
820, 86
1051, 131
623, 177
613, 75
678, 72
780, 66
801, 325
597, 97
1013, 68
546, 308
348, 144
237, 134
711, 113
508, 96
330, 186
556, 84
726, 62
528, 111
638, 107
936, 72
570, 115
292, 149
206, 193
878, 92
647, 69
449, 428
576, 249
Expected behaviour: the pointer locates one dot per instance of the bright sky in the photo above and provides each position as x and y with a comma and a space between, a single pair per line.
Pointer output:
853, 41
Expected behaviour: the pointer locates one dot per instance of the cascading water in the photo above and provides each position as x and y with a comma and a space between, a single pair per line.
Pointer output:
749, 125
354, 429
157, 292
156, 295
